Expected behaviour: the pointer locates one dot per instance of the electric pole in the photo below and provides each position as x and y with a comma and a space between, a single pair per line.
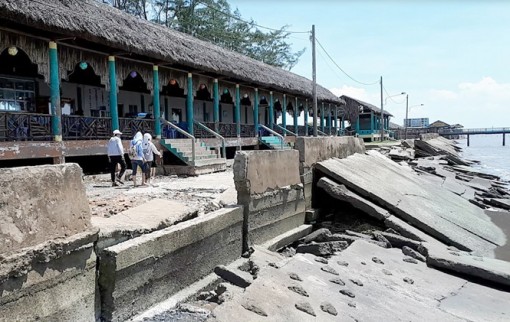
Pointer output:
382, 113
407, 115
314, 89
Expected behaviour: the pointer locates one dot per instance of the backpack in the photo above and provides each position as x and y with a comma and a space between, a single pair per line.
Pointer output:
147, 152
133, 151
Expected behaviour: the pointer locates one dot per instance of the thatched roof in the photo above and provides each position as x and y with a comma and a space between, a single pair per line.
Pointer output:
95, 22
439, 124
365, 105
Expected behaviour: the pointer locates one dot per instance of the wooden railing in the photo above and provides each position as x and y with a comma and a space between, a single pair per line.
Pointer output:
25, 127
129, 127
86, 128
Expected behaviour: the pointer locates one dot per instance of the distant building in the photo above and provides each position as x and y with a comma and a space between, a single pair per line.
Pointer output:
417, 122
439, 125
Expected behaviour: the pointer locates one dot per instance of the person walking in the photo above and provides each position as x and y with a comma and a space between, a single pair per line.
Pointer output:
149, 152
137, 157
115, 152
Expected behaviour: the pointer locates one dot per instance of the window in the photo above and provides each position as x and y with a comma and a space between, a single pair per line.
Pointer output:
17, 95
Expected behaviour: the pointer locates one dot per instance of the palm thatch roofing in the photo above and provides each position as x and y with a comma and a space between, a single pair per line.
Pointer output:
365, 105
439, 124
102, 24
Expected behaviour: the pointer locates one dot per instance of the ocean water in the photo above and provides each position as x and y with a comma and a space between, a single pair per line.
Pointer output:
489, 150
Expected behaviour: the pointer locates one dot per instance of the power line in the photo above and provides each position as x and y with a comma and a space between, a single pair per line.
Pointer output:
343, 71
390, 96
252, 22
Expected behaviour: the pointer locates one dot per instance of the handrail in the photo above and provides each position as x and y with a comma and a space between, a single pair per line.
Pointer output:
285, 130
321, 133
217, 135
178, 129
273, 132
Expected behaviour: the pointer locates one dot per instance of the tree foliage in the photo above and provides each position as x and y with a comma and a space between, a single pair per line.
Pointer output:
216, 22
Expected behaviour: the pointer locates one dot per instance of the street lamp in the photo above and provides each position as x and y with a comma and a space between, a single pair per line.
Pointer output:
382, 112
407, 115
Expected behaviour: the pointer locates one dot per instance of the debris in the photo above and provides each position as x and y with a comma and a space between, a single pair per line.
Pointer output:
299, 290
328, 308
305, 307
414, 254
234, 276
255, 309
329, 269
295, 277
377, 260
347, 293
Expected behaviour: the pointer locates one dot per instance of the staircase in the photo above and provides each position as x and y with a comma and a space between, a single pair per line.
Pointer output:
274, 143
182, 148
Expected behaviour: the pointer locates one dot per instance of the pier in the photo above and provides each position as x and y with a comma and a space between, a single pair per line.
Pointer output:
468, 132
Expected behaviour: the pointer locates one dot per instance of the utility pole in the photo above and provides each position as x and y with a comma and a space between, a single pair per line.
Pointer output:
314, 78
382, 113
407, 115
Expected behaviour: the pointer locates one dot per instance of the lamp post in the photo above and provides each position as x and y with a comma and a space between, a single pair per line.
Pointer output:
406, 122
382, 109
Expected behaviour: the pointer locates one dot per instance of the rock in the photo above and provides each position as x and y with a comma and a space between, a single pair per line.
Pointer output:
305, 307
338, 246
342, 263
321, 260
347, 293
255, 309
318, 249
387, 272
380, 237
399, 241
408, 280
356, 281
329, 269
410, 260
351, 304
298, 289
295, 277
206, 296
220, 289
350, 239
355, 234
318, 236
412, 253
185, 307
337, 280
377, 260
328, 308
363, 263
391, 231
234, 276
288, 252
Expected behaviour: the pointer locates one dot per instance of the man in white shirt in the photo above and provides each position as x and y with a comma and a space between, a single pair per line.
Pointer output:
116, 155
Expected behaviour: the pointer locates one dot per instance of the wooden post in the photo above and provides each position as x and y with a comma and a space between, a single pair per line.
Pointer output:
238, 111
284, 114
372, 121
189, 104
157, 112
56, 111
256, 112
329, 118
306, 117
503, 139
271, 110
468, 140
216, 106
322, 117
296, 128
336, 120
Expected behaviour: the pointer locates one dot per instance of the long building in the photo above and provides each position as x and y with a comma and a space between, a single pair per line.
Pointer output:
72, 71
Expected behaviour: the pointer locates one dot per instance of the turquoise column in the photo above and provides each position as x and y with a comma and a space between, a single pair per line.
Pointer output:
157, 112
238, 111
189, 104
336, 120
271, 110
372, 121
216, 106
114, 112
357, 124
306, 117
256, 112
322, 117
284, 114
329, 118
56, 111
296, 108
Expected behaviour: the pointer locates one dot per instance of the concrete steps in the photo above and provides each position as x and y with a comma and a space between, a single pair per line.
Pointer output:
183, 149
274, 143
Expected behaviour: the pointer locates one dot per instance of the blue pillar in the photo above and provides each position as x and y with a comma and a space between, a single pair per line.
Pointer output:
322, 117
306, 117
256, 112
216, 106
357, 124
56, 111
157, 113
238, 111
189, 104
114, 112
372, 121
329, 118
336, 120
284, 114
296, 110
271, 110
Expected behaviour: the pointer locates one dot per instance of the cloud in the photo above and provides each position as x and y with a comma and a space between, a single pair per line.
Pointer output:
357, 92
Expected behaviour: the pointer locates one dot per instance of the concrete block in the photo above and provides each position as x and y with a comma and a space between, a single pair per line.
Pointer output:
138, 273
288, 238
55, 281
40, 203
267, 232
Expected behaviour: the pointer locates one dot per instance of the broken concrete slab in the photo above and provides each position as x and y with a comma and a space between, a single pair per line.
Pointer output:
288, 237
501, 203
400, 241
437, 211
340, 192
234, 276
154, 215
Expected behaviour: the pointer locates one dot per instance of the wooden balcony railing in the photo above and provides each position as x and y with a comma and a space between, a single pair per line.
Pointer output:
86, 128
25, 127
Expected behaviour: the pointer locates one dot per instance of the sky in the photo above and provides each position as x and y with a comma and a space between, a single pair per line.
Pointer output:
451, 56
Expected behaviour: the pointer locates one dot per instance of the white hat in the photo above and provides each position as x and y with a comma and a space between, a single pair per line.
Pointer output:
117, 132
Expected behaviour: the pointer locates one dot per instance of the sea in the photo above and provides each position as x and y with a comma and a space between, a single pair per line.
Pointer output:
489, 150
